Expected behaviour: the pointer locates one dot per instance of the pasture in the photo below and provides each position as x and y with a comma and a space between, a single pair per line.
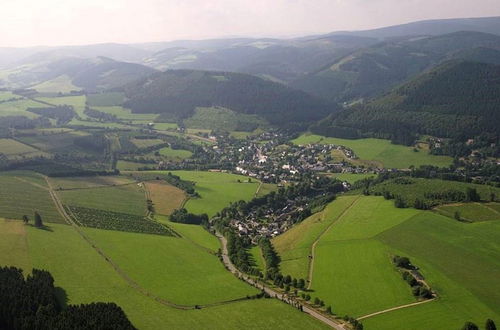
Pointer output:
166, 198
6, 96
417, 188
217, 190
129, 199
62, 84
471, 211
351, 177
126, 114
61, 141
294, 246
175, 154
23, 195
215, 118
108, 99
18, 108
382, 152
146, 143
68, 183
77, 102
14, 149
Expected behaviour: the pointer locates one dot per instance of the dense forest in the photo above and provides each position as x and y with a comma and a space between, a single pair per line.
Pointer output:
457, 100
178, 93
31, 303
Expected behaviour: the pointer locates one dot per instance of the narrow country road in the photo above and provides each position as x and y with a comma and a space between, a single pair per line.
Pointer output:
271, 292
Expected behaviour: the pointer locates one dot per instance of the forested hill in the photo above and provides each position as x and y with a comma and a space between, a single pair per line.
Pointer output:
376, 69
177, 93
458, 99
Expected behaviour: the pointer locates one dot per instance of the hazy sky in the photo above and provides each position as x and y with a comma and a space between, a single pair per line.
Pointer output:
69, 22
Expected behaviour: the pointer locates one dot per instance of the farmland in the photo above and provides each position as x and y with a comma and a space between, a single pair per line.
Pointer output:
18, 108
145, 143
125, 114
174, 154
122, 199
220, 118
86, 277
217, 190
20, 195
105, 99
68, 183
166, 198
471, 211
380, 151
77, 102
61, 84
350, 177
57, 141
15, 149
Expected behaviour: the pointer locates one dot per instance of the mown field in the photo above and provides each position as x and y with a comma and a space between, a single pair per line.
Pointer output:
24, 193
166, 198
381, 152
88, 182
62, 84
18, 108
129, 199
108, 99
175, 154
217, 190
85, 277
77, 102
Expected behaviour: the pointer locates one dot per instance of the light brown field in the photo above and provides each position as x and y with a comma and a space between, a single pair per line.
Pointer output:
13, 244
166, 198
89, 182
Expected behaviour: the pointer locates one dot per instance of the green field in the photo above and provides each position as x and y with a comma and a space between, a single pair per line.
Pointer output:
176, 154
124, 165
126, 114
5, 96
413, 188
471, 211
14, 149
62, 84
53, 141
258, 260
77, 102
88, 182
217, 190
221, 118
23, 194
381, 152
294, 246
122, 199
146, 143
108, 99
85, 277
351, 177
18, 108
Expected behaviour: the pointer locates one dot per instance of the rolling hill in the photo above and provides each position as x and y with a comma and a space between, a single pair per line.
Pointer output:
175, 94
458, 99
375, 69
90, 74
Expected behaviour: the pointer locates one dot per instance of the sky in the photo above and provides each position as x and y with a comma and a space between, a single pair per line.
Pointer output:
73, 22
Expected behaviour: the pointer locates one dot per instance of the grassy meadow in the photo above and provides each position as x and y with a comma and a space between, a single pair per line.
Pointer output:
61, 84
380, 152
85, 277
217, 190
175, 154
221, 118
14, 149
107, 99
18, 108
471, 211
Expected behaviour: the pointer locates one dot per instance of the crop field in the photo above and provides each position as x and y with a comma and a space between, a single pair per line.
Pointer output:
175, 154
54, 141
128, 199
23, 196
166, 198
381, 151
18, 108
146, 143
105, 99
85, 277
14, 149
471, 211
417, 188
221, 118
294, 246
461, 261
68, 183
61, 84
217, 190
126, 114
165, 126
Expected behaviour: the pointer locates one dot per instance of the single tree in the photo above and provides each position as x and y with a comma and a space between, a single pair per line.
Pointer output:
490, 325
457, 216
26, 219
329, 310
470, 326
38, 220
308, 297
316, 301
301, 284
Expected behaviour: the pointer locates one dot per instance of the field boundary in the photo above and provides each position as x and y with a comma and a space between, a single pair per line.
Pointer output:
313, 246
119, 271
31, 183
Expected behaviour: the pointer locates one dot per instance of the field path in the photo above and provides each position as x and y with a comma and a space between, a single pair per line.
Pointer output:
313, 246
283, 297
395, 308
118, 270
31, 183
489, 208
